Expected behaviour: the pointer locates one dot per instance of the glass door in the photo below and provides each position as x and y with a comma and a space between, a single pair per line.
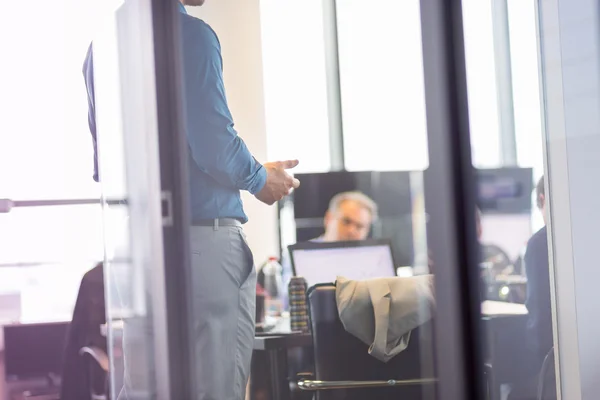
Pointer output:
450, 166
450, 202
132, 88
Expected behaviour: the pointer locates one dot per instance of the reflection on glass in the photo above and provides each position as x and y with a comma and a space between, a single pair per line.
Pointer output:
117, 73
501, 59
569, 60
384, 130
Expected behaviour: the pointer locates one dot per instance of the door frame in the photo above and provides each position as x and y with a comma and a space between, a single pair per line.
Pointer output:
450, 199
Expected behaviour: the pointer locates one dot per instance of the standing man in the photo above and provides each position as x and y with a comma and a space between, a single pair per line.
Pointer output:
539, 338
220, 166
537, 269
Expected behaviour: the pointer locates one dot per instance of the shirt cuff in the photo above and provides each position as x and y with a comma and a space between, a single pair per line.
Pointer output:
259, 181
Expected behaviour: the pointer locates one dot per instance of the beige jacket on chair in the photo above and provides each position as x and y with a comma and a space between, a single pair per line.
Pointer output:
382, 312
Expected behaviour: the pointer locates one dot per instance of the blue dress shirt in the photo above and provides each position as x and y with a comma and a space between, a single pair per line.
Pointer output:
220, 164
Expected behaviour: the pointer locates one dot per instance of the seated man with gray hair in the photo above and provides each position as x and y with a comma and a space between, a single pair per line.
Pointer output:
349, 217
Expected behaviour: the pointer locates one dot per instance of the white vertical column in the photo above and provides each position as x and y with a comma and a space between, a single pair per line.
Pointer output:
570, 48
237, 24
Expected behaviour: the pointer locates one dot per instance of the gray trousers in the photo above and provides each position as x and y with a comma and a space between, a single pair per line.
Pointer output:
221, 318
223, 312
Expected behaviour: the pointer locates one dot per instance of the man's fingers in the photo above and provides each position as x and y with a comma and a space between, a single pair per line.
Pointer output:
288, 164
296, 183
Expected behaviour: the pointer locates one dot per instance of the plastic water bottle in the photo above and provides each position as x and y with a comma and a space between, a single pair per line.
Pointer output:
274, 287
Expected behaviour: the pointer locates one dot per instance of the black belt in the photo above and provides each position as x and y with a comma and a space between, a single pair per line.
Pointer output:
217, 222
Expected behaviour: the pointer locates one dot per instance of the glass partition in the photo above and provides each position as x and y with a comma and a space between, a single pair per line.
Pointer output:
435, 160
120, 81
569, 61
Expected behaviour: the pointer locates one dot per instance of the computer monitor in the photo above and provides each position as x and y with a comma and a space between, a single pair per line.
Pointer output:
324, 262
34, 350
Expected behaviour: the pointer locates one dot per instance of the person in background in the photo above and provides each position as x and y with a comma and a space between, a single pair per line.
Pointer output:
537, 269
539, 337
220, 166
349, 217
479, 231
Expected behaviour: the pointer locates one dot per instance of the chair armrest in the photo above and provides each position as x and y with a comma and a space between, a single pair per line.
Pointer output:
300, 377
97, 354
303, 376
330, 385
490, 384
548, 362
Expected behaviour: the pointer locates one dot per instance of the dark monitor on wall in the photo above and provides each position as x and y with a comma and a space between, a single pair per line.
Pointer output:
505, 190
390, 190
34, 350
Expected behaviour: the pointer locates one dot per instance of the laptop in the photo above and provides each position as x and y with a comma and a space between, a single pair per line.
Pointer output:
324, 262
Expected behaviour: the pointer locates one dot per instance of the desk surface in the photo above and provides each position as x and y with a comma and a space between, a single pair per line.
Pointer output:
281, 337
283, 341
491, 308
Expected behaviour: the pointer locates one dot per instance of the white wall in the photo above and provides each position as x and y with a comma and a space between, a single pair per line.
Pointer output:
237, 24
571, 63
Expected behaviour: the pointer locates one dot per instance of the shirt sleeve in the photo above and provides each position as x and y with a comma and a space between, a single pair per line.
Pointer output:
215, 145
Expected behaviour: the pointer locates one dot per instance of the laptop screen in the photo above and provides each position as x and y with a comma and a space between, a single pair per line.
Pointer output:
324, 262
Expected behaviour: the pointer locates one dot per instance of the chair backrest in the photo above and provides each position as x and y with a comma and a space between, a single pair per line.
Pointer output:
339, 356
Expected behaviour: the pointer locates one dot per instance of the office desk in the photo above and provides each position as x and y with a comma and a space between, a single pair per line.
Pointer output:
32, 358
274, 347
504, 325
490, 308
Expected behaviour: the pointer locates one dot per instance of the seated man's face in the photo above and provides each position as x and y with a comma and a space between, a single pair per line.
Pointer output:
352, 221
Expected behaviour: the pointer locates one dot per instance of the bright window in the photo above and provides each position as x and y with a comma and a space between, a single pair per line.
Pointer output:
526, 84
295, 83
382, 89
481, 83
46, 152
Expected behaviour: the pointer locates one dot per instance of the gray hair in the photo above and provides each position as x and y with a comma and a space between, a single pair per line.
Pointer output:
356, 196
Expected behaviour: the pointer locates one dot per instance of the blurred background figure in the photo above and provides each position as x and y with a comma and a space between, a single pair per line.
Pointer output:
349, 217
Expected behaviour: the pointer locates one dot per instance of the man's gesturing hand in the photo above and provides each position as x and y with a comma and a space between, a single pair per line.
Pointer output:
279, 183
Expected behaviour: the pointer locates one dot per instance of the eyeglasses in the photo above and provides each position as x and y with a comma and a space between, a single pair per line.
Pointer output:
346, 221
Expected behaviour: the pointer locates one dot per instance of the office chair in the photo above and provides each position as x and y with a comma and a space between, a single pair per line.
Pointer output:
84, 333
547, 378
96, 366
497, 257
345, 370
